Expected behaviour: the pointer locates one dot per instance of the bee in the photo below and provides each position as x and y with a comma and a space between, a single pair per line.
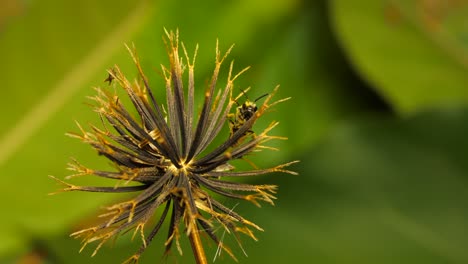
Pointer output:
243, 113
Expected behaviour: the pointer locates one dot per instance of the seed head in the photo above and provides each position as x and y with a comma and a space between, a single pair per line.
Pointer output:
163, 152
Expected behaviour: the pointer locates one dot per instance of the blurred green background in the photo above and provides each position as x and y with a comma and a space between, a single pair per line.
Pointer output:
379, 119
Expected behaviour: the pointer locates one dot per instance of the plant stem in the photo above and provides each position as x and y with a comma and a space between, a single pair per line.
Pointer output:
197, 247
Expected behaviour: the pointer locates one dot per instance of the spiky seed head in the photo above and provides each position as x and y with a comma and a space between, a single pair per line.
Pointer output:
162, 151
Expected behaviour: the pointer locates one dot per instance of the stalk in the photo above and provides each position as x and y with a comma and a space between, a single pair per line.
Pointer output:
197, 247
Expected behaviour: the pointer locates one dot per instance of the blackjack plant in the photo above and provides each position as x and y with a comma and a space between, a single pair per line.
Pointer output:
165, 154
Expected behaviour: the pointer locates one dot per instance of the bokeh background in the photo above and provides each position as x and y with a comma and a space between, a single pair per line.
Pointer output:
379, 119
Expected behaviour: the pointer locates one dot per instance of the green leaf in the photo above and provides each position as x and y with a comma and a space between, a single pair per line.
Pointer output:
414, 53
49, 54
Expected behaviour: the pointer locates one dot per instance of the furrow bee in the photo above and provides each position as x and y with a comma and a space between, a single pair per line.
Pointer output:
243, 113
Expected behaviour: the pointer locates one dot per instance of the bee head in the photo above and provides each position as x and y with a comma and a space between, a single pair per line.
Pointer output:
248, 109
